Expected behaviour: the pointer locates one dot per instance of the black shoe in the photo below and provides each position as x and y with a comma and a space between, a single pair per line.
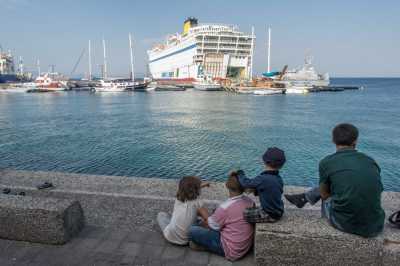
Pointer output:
297, 199
6, 191
45, 185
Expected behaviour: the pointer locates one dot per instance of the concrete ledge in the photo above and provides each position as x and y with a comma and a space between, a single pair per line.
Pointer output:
41, 220
302, 237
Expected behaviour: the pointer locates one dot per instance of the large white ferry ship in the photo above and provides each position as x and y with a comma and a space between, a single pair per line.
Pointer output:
212, 50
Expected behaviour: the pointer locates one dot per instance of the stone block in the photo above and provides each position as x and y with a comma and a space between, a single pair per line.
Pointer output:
41, 220
302, 237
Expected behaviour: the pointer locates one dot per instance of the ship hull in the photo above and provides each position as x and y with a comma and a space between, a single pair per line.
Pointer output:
8, 78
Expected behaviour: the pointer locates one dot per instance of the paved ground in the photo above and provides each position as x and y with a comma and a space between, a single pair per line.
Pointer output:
100, 246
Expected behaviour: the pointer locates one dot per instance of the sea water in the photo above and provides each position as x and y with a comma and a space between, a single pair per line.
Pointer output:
172, 134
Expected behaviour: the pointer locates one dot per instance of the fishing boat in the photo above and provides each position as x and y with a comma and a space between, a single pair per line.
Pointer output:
169, 88
49, 82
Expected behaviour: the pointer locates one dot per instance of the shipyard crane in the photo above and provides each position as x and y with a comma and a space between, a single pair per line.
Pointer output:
77, 63
283, 72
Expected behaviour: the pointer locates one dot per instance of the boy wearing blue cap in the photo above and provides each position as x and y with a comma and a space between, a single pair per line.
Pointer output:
268, 186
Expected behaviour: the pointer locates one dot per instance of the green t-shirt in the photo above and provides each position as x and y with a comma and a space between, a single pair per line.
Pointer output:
355, 185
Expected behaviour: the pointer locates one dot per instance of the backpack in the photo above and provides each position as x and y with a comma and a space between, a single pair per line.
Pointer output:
394, 219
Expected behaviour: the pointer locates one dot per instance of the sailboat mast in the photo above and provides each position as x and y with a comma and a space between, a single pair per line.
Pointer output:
105, 60
131, 51
269, 49
90, 62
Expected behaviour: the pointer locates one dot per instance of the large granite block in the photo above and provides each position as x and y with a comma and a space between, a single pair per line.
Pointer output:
303, 238
41, 220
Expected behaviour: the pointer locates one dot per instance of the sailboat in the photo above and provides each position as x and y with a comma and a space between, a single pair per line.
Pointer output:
110, 85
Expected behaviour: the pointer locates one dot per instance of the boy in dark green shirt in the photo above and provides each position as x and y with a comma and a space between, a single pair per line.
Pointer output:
350, 187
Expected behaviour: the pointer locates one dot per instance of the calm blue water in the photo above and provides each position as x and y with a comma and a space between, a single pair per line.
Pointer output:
170, 134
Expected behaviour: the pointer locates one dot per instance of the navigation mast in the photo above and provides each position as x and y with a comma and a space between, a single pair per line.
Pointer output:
105, 60
90, 62
269, 49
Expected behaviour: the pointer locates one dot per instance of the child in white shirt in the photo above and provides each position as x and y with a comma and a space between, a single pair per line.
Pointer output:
176, 228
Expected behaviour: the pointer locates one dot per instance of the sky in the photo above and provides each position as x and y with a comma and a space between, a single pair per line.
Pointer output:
350, 38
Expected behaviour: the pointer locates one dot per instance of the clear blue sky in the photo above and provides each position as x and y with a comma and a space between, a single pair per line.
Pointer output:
346, 38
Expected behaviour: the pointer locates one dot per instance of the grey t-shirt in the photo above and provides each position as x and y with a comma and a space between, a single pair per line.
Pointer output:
183, 216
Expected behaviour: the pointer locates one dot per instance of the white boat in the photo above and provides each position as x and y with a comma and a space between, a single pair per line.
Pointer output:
207, 84
306, 76
298, 90
14, 89
267, 92
50, 82
221, 51
113, 86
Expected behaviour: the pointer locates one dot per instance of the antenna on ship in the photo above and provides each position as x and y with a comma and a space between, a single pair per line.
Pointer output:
90, 62
252, 53
38, 67
131, 51
105, 60
21, 66
269, 50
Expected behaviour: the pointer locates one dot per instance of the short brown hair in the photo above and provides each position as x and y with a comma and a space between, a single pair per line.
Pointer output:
232, 184
188, 188
344, 134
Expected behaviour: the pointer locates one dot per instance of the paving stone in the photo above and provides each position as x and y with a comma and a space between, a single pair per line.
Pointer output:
246, 261
216, 260
155, 238
102, 258
86, 244
92, 232
136, 236
173, 253
130, 249
195, 258
118, 235
150, 251
108, 246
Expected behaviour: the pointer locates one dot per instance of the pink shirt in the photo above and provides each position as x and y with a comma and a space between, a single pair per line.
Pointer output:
236, 233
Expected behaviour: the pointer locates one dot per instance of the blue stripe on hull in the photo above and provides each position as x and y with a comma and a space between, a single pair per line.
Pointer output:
174, 53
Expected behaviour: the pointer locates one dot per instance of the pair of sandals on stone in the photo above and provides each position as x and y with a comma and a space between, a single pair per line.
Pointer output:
22, 193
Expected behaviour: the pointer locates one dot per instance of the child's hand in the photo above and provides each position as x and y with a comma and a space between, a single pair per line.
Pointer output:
205, 184
236, 173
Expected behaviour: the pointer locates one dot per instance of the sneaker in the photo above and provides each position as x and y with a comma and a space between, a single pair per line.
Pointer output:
297, 199
196, 247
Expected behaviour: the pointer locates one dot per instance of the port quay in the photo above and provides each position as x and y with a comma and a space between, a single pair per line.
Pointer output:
119, 226
89, 158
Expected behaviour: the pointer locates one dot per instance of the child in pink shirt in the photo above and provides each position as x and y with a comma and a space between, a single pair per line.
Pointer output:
225, 232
